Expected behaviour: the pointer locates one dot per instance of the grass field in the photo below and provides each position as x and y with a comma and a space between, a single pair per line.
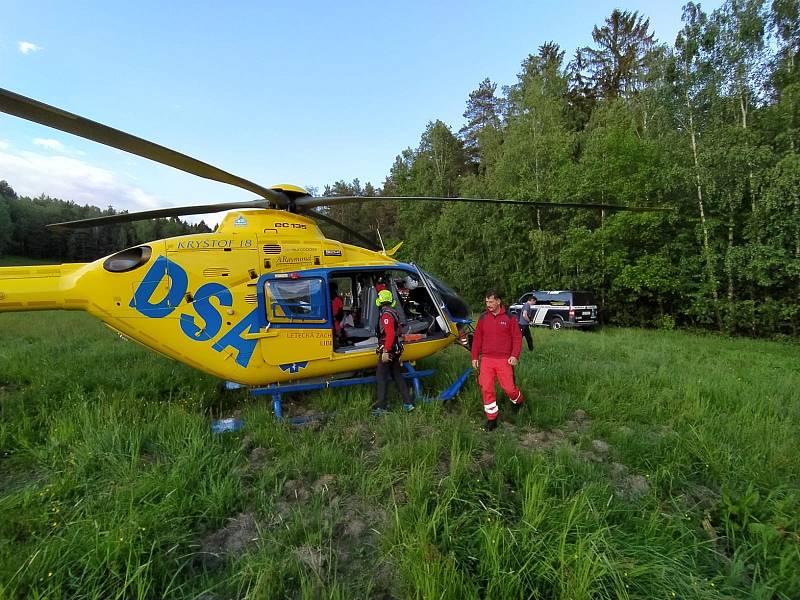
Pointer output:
645, 464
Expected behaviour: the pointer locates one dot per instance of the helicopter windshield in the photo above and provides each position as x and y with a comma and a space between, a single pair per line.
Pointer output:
457, 308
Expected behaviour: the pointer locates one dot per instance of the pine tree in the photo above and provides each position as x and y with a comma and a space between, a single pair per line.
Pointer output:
618, 64
484, 111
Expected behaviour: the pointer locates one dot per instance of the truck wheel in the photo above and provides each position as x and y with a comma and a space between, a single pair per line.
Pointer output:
556, 323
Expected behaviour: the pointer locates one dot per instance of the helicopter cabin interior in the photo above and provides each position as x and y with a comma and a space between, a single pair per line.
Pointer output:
359, 291
309, 300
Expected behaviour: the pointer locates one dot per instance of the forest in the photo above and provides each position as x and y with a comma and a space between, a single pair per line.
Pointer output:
707, 125
24, 232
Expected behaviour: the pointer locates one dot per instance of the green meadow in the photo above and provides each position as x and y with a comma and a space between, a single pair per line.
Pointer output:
645, 464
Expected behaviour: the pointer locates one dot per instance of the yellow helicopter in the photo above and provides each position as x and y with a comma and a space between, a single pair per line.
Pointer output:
251, 302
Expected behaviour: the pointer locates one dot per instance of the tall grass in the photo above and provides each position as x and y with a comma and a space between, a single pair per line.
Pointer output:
681, 480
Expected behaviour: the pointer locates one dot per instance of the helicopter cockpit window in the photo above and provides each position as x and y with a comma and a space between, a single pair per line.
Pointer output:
296, 300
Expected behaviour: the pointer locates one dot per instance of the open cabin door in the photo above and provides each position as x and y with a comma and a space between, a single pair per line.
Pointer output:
442, 316
298, 316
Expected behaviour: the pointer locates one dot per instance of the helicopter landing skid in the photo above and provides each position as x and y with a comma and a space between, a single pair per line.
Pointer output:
277, 391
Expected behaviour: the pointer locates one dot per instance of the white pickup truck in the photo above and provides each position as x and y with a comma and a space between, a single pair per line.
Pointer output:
560, 308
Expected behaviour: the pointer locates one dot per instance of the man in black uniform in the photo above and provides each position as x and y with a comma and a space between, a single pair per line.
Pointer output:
526, 315
389, 350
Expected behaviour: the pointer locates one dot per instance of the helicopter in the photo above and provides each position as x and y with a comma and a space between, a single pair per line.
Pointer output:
249, 303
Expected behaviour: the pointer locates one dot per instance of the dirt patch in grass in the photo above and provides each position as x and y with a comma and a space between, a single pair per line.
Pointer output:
701, 497
578, 423
313, 558
541, 440
238, 533
356, 533
357, 520
598, 451
635, 486
360, 431
295, 491
443, 466
399, 494
247, 444
324, 485
570, 435
258, 457
486, 460
629, 486
353, 526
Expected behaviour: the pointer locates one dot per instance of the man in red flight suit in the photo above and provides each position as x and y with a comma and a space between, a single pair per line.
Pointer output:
497, 342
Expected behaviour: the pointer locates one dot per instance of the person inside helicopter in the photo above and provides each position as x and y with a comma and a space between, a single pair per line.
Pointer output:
337, 311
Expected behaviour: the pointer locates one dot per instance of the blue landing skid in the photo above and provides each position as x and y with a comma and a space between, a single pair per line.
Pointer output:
453, 390
276, 391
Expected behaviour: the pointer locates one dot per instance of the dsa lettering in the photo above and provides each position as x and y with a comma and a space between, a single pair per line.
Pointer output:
206, 322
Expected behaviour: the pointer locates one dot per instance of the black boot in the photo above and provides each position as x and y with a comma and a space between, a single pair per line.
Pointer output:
490, 425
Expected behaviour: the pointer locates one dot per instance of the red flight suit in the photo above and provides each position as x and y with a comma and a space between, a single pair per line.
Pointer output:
497, 338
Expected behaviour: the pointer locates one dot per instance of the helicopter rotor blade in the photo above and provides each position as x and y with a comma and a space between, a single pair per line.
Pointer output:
176, 211
370, 244
38, 112
315, 201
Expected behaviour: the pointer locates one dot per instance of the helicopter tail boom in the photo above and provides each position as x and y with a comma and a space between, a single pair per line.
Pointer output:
45, 287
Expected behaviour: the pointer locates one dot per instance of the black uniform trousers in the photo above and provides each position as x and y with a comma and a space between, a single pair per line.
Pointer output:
383, 373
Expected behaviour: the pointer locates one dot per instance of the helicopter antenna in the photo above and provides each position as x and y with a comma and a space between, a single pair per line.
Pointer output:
380, 239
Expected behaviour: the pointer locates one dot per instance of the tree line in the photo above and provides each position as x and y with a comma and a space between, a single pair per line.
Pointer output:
23, 229
708, 125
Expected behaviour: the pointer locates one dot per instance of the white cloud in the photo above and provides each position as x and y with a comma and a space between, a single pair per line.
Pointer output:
67, 178
4, 145
28, 47
50, 144
56, 146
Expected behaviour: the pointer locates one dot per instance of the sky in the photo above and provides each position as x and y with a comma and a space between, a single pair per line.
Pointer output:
306, 94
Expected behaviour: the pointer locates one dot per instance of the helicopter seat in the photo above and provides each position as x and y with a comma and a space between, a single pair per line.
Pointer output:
413, 323
418, 324
369, 316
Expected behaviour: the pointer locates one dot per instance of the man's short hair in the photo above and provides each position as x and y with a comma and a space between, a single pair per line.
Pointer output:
534, 298
493, 293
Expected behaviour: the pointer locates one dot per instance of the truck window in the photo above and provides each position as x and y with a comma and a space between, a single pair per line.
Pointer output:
582, 299
553, 298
